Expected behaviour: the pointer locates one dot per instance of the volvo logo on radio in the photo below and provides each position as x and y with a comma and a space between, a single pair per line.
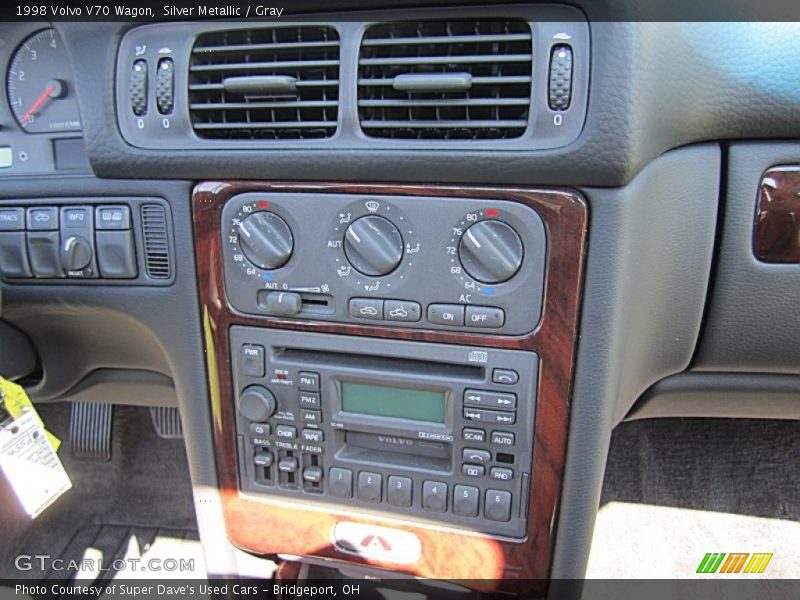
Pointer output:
395, 441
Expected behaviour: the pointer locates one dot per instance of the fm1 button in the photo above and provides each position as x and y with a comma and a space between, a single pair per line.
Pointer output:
369, 486
340, 482
434, 496
398, 492
308, 381
465, 501
498, 505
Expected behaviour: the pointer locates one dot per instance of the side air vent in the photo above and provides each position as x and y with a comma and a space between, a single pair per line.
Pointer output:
273, 83
451, 80
156, 241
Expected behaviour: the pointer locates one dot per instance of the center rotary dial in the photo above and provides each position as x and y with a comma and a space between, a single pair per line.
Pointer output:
373, 246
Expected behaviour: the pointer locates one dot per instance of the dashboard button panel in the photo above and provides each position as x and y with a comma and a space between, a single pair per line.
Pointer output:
418, 262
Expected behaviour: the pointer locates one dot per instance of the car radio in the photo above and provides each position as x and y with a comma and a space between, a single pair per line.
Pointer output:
432, 432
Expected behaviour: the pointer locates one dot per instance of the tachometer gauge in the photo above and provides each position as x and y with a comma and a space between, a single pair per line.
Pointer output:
40, 85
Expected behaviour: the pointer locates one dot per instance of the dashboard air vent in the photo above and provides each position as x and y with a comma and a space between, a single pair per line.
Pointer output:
156, 241
274, 83
451, 80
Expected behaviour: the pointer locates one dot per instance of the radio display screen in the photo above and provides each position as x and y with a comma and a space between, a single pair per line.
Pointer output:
395, 402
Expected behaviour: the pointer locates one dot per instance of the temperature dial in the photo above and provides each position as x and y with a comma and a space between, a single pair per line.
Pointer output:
266, 240
490, 251
373, 245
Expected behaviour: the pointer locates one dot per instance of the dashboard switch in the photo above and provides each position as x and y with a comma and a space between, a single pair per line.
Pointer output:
13, 254
77, 248
12, 219
113, 217
44, 254
76, 253
137, 89
165, 86
116, 254
43, 219
369, 486
280, 304
560, 85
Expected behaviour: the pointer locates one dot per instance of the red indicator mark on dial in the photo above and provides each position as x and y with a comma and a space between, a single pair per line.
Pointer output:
492, 212
263, 204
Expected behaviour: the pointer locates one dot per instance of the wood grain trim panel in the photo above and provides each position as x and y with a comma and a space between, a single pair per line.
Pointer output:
275, 526
776, 232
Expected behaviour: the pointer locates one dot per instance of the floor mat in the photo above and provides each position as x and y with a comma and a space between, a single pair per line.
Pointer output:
146, 483
103, 553
676, 489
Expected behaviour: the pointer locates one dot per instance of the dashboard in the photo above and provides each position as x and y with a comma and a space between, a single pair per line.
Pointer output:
403, 272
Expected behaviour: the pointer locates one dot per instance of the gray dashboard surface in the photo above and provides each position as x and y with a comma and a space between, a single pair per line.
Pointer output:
654, 86
752, 319
647, 271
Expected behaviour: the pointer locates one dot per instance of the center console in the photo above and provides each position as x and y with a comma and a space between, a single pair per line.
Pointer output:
390, 369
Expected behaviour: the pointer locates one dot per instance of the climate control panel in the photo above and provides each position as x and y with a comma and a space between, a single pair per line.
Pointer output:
422, 262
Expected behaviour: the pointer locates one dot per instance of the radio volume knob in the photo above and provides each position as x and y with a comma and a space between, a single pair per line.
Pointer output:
373, 245
257, 403
266, 240
490, 251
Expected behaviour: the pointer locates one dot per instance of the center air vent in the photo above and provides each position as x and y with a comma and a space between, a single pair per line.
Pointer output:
273, 83
451, 80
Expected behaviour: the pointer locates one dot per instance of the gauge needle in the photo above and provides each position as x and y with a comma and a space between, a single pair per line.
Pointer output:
46, 95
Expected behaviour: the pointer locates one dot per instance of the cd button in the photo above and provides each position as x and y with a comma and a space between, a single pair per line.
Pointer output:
260, 429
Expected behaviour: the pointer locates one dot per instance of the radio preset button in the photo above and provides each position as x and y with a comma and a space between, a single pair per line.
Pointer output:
314, 436
480, 415
312, 474
288, 464
312, 416
446, 314
369, 486
473, 435
260, 429
253, 360
475, 455
288, 432
310, 400
398, 491
465, 501
473, 470
501, 474
489, 399
502, 438
340, 482
497, 506
485, 316
505, 376
401, 310
308, 381
366, 308
434, 496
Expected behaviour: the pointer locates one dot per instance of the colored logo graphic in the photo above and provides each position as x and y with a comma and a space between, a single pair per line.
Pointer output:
736, 562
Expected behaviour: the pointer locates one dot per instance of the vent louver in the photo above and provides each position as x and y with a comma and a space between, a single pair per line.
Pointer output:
156, 242
452, 80
265, 84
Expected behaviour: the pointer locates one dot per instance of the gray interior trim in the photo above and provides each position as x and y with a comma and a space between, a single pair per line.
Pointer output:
17, 355
650, 249
728, 395
133, 387
751, 322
